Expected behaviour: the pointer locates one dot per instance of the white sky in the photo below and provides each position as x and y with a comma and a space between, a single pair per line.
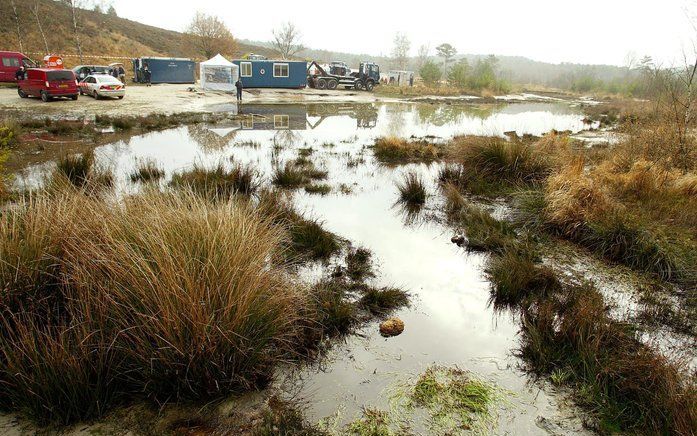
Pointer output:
580, 31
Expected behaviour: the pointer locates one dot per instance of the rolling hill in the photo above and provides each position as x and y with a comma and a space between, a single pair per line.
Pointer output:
103, 36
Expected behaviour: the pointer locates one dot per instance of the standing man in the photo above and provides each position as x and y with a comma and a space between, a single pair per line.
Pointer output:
239, 87
147, 75
122, 74
19, 74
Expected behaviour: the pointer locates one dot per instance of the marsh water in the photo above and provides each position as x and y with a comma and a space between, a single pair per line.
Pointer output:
450, 320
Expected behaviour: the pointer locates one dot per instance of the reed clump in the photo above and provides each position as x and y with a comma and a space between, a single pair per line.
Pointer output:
393, 149
168, 296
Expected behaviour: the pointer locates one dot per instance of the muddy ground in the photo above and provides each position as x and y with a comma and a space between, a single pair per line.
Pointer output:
165, 98
168, 98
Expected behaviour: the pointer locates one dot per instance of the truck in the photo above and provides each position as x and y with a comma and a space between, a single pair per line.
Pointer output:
339, 74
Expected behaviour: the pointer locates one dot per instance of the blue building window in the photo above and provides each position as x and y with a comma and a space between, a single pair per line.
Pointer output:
280, 70
245, 69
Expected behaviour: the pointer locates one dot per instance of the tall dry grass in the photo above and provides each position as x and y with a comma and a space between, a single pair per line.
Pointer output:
165, 294
393, 149
628, 385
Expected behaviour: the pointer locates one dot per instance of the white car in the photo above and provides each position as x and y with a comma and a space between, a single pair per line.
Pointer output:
102, 85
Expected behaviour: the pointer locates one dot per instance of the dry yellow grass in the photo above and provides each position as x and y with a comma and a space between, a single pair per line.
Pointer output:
166, 294
573, 197
393, 148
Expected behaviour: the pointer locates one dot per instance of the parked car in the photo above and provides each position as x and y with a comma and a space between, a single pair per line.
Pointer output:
102, 85
10, 61
48, 83
82, 71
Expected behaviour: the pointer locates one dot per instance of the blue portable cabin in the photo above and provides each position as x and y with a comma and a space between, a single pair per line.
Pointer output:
165, 70
256, 73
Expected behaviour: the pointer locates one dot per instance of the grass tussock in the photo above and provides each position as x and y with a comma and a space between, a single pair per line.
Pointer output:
483, 232
583, 208
321, 189
289, 176
218, 182
412, 189
147, 171
307, 238
170, 296
517, 279
10, 132
627, 385
487, 160
80, 171
359, 264
383, 300
392, 149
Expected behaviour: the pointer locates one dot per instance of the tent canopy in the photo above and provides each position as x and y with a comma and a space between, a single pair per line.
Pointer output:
218, 74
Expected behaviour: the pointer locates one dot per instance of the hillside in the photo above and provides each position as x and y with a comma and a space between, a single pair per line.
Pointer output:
103, 36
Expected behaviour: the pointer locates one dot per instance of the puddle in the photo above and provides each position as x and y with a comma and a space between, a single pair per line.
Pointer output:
450, 321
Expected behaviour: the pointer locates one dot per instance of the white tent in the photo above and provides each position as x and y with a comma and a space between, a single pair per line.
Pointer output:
219, 74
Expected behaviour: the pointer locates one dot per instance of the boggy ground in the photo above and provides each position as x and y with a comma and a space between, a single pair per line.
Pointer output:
186, 294
632, 204
503, 170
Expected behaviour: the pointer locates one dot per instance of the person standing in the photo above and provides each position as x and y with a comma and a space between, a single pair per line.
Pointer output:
122, 74
147, 75
239, 87
19, 74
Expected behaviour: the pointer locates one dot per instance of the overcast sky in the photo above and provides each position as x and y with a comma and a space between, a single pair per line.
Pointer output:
589, 31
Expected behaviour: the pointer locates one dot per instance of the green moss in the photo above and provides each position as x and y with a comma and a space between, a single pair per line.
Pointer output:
373, 422
453, 399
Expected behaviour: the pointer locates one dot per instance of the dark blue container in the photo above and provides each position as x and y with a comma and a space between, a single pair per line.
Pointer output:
272, 74
165, 70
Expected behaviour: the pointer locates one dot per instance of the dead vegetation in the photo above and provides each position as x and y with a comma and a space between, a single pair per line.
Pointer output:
393, 150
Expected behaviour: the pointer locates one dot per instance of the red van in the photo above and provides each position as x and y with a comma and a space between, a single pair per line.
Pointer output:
10, 62
48, 83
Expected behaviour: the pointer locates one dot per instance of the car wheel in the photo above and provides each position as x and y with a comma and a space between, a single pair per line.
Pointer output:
45, 97
74, 97
369, 86
95, 95
22, 94
121, 97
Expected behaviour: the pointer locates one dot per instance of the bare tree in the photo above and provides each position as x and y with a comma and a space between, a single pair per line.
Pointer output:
211, 36
422, 55
36, 11
287, 40
76, 16
18, 27
400, 50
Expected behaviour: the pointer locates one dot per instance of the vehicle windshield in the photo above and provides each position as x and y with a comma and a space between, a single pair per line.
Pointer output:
60, 75
28, 63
